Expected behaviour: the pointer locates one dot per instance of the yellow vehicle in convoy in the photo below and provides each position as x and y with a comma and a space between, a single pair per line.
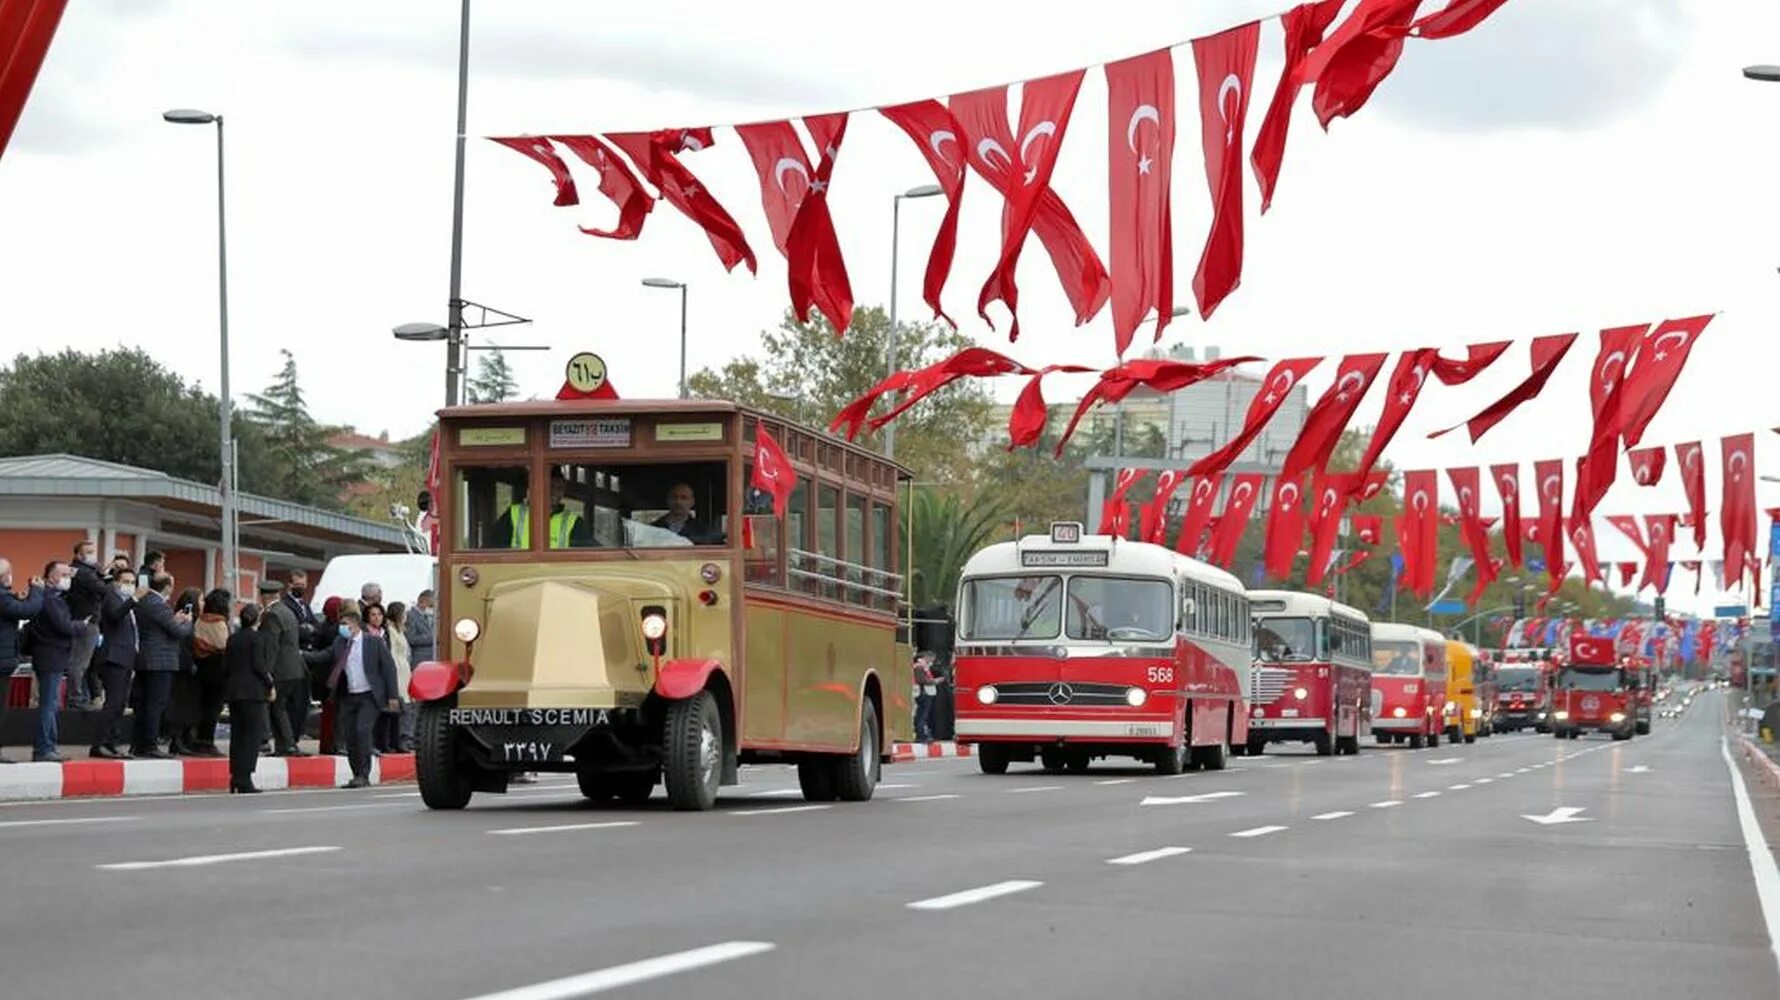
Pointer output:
1464, 711
620, 603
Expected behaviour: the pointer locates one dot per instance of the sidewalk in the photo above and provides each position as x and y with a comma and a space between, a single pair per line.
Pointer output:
89, 778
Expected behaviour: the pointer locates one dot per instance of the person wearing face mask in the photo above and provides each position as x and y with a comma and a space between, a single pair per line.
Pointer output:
117, 658
54, 633
13, 610
422, 628
290, 675
364, 684
86, 596
162, 633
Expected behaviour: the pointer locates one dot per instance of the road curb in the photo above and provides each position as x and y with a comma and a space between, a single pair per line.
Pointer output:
1760, 756
923, 751
90, 779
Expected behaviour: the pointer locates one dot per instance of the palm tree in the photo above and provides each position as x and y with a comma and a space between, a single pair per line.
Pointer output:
947, 531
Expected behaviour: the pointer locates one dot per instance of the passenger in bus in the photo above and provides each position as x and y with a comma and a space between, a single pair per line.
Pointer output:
568, 530
680, 518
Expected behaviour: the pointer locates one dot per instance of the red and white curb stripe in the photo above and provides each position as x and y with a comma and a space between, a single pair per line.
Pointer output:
1760, 756
922, 751
106, 778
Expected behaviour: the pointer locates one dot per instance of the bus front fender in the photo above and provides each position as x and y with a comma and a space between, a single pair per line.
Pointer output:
434, 680
677, 679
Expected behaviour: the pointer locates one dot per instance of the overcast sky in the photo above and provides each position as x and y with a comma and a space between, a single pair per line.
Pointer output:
1567, 166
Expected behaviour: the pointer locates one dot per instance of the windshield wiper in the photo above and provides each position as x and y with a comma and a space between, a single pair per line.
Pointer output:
1038, 607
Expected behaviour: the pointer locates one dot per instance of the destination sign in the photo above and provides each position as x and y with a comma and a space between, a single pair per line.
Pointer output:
612, 432
1052, 557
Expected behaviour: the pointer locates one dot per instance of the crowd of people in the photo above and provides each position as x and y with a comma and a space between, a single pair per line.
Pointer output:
106, 639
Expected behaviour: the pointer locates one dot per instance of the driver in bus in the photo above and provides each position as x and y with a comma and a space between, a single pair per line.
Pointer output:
680, 518
568, 530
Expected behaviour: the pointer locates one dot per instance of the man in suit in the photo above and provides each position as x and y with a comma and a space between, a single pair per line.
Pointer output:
13, 610
249, 687
364, 683
86, 597
422, 629
117, 658
290, 672
55, 633
680, 518
160, 632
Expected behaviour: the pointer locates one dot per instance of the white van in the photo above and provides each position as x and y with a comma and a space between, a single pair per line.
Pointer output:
401, 575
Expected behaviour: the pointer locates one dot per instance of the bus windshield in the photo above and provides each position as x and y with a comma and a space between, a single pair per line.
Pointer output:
1401, 658
1517, 679
1284, 640
1590, 680
595, 506
1120, 608
1024, 607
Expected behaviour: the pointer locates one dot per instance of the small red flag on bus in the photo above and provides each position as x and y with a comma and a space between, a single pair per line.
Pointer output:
773, 473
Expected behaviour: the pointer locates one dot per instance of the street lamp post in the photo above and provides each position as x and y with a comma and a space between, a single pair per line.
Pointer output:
923, 191
681, 285
225, 407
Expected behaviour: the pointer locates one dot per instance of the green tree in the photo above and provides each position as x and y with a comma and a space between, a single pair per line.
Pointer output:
306, 469
949, 529
807, 373
494, 381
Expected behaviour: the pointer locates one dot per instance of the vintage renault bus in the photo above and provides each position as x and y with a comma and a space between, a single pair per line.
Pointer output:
1408, 684
619, 603
1312, 672
1073, 647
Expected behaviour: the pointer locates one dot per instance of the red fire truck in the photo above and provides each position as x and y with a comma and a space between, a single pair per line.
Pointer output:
1523, 688
1408, 684
1073, 647
1592, 693
1313, 673
1643, 676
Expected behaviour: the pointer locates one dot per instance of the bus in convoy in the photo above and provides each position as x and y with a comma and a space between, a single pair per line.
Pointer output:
1072, 647
619, 603
1523, 689
1408, 684
1643, 677
1593, 692
1312, 673
1464, 702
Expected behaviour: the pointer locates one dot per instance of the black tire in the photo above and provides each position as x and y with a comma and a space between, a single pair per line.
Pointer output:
595, 786
856, 775
1053, 759
1470, 737
1347, 746
1212, 758
1384, 739
1324, 743
443, 781
694, 752
991, 759
1433, 740
1575, 734
634, 788
1078, 763
1557, 733
1172, 760
1257, 747
816, 778
1643, 729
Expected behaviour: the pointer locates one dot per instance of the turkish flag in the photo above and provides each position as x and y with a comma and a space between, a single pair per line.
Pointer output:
1326, 420
1465, 483
1598, 469
1027, 421
1629, 527
1357, 56
1660, 359
1162, 375
1198, 516
1737, 510
936, 133
1403, 390
433, 479
1591, 650
617, 183
1656, 561
1583, 541
1329, 492
1272, 393
1550, 474
1456, 18
1115, 515
538, 148
1021, 171
1507, 479
1140, 165
1152, 520
1627, 571
1304, 26
1478, 357
1285, 526
1226, 65
656, 155
1245, 490
1547, 352
917, 384
773, 473
794, 196
26, 27
1648, 465
1690, 458
1418, 530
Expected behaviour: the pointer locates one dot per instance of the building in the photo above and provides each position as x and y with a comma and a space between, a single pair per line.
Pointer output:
50, 502
380, 450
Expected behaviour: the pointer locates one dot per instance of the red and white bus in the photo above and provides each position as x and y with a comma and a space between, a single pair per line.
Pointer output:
1073, 647
1408, 684
1312, 673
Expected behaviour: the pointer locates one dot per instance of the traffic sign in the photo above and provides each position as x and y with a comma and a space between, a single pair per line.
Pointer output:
1449, 606
1731, 611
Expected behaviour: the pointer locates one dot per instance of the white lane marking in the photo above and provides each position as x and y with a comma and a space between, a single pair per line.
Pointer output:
977, 895
323, 809
1116, 781
1145, 857
774, 793
1259, 831
1034, 788
927, 798
1446, 760
397, 795
1387, 803
1761, 859
1639, 769
10, 824
1311, 763
1481, 781
1562, 814
1338, 814
1174, 800
887, 787
1522, 770
212, 859
517, 831
1457, 788
1271, 767
779, 810
589, 983
1506, 774
1427, 795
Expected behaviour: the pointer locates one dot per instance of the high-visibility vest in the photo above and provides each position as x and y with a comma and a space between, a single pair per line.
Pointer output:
562, 524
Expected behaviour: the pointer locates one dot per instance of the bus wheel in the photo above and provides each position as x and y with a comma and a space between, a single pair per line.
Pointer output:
816, 778
1257, 747
1470, 737
856, 775
595, 786
1575, 734
1348, 746
1559, 733
1643, 729
1172, 760
1053, 759
1417, 741
1212, 758
1623, 735
1078, 762
694, 752
1324, 744
991, 759
443, 782
1433, 740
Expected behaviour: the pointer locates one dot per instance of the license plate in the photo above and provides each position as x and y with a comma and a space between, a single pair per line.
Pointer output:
528, 752
1143, 729
529, 716
1290, 713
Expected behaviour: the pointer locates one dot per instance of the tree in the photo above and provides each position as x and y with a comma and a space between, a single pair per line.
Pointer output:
949, 529
494, 381
807, 373
306, 468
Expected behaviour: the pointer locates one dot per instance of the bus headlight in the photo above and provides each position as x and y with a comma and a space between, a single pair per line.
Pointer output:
1617, 717
1300, 694
1560, 715
1399, 712
987, 694
1135, 697
466, 630
654, 627
1451, 705
1477, 713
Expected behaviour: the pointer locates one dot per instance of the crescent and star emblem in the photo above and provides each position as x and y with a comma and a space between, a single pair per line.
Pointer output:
939, 139
1143, 112
1553, 488
1240, 494
1042, 128
1680, 337
1508, 487
988, 146
1288, 493
1420, 501
1616, 358
1201, 490
1281, 384
1690, 458
1231, 82
1739, 460
1465, 500
784, 165
1328, 500
1341, 385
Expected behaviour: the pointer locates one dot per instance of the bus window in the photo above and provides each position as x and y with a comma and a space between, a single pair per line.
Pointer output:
1285, 640
853, 542
1026, 607
1396, 657
653, 506
760, 560
882, 558
486, 500
797, 539
1118, 608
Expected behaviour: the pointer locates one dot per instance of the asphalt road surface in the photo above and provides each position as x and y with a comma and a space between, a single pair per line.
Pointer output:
1518, 866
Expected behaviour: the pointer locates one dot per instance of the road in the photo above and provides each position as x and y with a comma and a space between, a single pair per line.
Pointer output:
1396, 873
